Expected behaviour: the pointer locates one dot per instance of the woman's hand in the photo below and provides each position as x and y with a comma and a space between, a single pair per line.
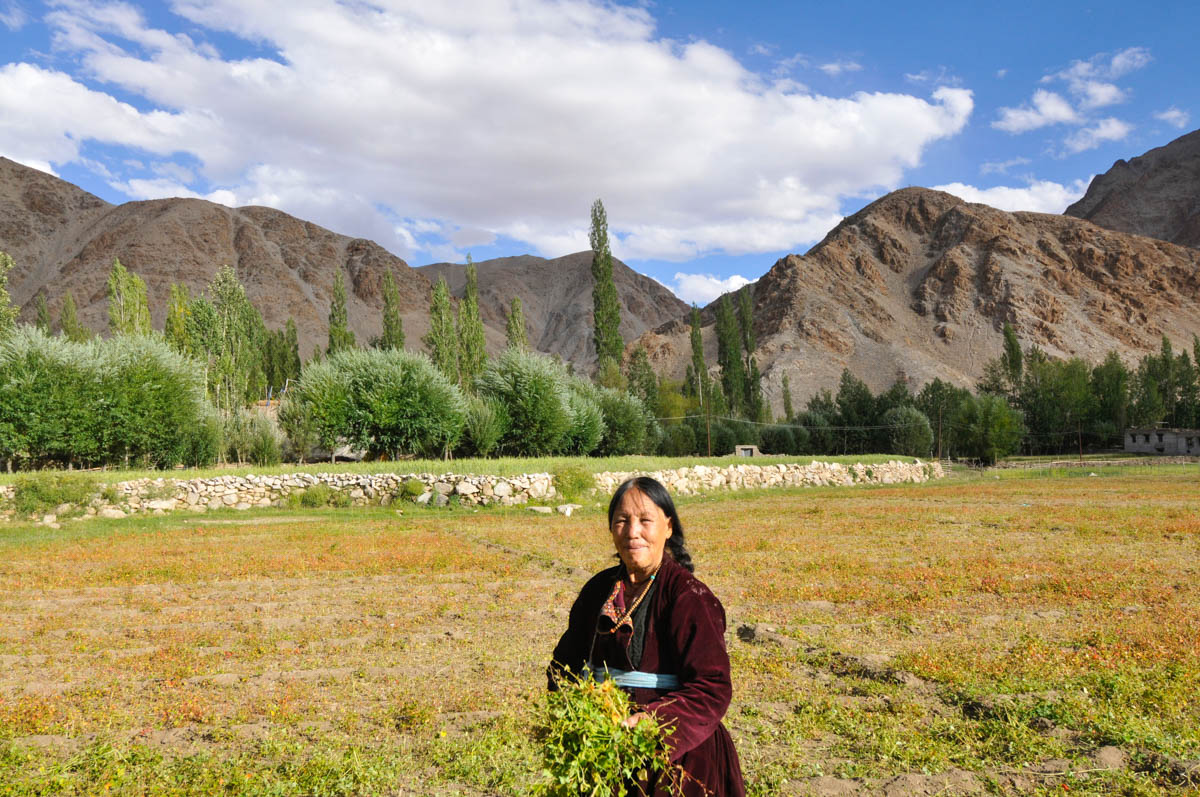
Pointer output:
634, 719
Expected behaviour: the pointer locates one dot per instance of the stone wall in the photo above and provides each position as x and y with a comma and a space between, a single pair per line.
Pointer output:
159, 496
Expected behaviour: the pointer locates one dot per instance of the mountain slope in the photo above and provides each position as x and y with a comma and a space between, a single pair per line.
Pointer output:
1156, 194
918, 284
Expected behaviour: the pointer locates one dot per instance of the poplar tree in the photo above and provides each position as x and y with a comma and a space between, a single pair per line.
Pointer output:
340, 336
788, 413
698, 367
1012, 360
606, 308
514, 326
68, 321
42, 321
128, 305
175, 328
729, 356
643, 382
471, 343
227, 334
8, 313
393, 324
441, 340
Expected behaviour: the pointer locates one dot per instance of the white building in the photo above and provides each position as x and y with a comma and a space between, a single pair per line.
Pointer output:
1159, 440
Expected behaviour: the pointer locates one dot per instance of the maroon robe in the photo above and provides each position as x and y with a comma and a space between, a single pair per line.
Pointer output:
685, 636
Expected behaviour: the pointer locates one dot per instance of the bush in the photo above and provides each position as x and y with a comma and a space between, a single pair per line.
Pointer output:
412, 488
678, 440
625, 422
250, 436
910, 434
202, 442
778, 440
533, 390
265, 448
986, 428
816, 428
486, 423
38, 492
587, 421
385, 401
724, 438
319, 495
573, 482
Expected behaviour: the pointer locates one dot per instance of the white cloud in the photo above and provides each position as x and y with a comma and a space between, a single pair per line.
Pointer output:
1128, 60
157, 188
703, 288
759, 48
1040, 196
1174, 117
835, 68
1048, 108
1002, 167
1086, 138
508, 118
1097, 94
13, 16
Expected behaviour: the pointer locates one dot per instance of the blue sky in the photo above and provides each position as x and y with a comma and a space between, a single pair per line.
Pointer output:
720, 136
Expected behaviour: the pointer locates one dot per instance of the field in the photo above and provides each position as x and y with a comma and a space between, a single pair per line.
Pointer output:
1018, 632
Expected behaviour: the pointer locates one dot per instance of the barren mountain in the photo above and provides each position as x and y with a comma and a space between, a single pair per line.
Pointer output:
918, 284
556, 297
1156, 194
64, 238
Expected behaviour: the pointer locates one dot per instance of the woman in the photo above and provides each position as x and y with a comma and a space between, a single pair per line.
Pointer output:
660, 633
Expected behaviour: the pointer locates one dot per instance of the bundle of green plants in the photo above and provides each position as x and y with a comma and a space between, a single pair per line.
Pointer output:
587, 750
573, 481
38, 492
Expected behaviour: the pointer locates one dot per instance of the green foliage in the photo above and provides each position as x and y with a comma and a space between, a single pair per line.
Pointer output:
296, 420
1012, 361
820, 438
573, 482
386, 402
908, 430
115, 401
625, 422
393, 324
939, 402
587, 750
855, 408
227, 334
486, 424
341, 337
788, 411
514, 326
36, 493
587, 421
68, 321
606, 307
175, 328
203, 441
8, 313
642, 380
281, 356
778, 440
471, 342
128, 304
42, 320
412, 488
986, 428
698, 384
679, 440
442, 341
534, 391
729, 357
320, 495
250, 436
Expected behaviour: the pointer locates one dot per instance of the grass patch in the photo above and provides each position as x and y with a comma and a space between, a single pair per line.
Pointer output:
44, 490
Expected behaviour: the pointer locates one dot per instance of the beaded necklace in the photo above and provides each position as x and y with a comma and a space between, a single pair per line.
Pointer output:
627, 617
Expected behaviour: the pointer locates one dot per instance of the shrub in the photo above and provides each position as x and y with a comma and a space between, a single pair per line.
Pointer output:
412, 488
486, 423
724, 438
38, 492
910, 434
816, 428
587, 421
299, 429
986, 428
265, 448
316, 496
202, 441
587, 750
778, 440
625, 422
573, 482
678, 440
534, 392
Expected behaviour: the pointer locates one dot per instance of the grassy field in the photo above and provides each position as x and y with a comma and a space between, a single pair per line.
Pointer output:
1038, 632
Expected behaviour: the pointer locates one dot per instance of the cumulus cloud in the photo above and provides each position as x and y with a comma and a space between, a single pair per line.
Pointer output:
703, 288
1174, 117
503, 118
1047, 108
1110, 129
1040, 196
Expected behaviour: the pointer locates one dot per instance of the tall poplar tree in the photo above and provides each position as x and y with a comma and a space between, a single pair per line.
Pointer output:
393, 324
175, 329
471, 343
42, 321
68, 321
514, 326
699, 368
788, 412
8, 313
729, 356
128, 305
606, 307
441, 340
340, 336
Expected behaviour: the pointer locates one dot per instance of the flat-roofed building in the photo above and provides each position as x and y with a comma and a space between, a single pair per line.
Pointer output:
1161, 440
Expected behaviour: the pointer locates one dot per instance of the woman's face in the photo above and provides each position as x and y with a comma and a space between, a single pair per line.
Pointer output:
640, 531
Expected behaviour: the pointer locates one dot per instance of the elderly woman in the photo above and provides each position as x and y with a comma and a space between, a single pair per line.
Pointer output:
659, 632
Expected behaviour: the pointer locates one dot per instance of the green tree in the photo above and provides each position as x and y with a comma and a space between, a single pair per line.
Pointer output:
68, 321
699, 382
341, 337
939, 402
472, 351
855, 412
643, 382
729, 357
514, 326
175, 329
987, 429
606, 307
128, 304
8, 313
909, 432
42, 320
535, 392
1012, 360
788, 411
441, 340
228, 336
1110, 389
393, 324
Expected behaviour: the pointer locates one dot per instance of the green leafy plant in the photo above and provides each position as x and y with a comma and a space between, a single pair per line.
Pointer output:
411, 489
587, 750
573, 481
37, 492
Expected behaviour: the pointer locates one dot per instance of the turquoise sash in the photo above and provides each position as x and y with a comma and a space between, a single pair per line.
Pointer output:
638, 680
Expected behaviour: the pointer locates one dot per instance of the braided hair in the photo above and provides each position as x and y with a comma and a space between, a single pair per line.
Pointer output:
658, 494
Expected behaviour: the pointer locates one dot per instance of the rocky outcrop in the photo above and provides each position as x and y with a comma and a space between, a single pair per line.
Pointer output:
556, 298
1156, 194
919, 284
159, 496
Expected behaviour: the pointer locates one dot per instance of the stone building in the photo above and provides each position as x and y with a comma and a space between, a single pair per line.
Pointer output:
1160, 440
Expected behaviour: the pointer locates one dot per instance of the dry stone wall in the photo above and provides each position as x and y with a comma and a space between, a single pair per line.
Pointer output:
159, 496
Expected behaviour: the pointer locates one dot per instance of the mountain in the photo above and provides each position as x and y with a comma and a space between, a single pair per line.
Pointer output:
1156, 194
556, 297
919, 283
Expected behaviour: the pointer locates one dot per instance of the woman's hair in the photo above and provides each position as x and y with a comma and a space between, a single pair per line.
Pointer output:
662, 499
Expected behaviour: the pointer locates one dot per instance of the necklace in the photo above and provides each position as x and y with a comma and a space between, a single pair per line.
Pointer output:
627, 617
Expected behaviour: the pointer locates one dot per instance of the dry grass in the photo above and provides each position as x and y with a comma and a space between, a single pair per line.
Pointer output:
362, 651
